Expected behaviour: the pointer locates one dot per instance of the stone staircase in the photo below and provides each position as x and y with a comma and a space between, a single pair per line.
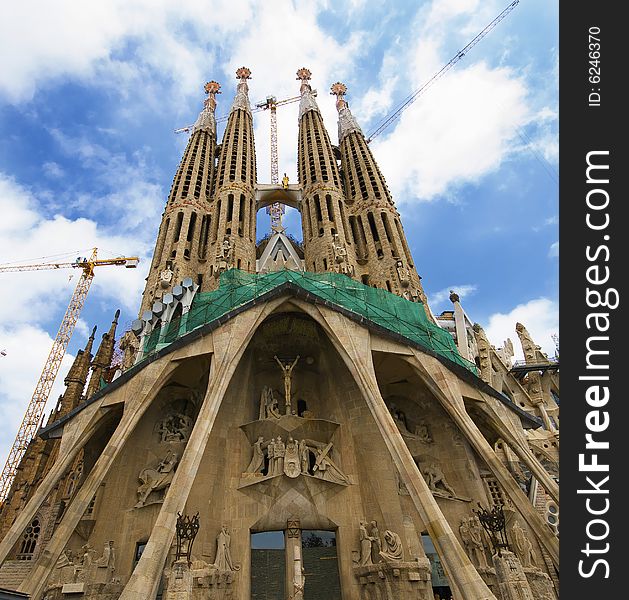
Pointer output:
13, 572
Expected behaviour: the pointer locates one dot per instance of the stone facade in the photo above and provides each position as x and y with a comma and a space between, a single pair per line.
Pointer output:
288, 415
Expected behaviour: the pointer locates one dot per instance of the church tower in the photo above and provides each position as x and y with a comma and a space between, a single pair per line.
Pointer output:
324, 220
232, 242
181, 246
382, 252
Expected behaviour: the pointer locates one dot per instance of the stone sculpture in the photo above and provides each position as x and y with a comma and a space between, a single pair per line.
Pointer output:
108, 559
269, 406
175, 427
365, 544
522, 545
270, 452
375, 543
287, 370
392, 550
403, 274
435, 479
156, 479
280, 453
223, 561
304, 456
325, 468
422, 433
257, 460
471, 535
292, 462
293, 459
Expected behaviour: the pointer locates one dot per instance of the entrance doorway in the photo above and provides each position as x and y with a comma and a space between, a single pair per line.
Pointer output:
268, 566
440, 584
320, 563
285, 563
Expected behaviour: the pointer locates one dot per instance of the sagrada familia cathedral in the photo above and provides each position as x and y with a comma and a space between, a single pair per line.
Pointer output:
289, 419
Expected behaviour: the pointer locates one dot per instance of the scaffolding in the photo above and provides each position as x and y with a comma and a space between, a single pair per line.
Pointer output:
376, 306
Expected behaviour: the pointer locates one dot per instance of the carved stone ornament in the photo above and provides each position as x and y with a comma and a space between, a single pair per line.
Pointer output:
404, 275
156, 479
175, 427
166, 277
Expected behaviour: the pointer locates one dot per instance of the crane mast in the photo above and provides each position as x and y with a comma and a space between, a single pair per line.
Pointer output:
453, 61
35, 409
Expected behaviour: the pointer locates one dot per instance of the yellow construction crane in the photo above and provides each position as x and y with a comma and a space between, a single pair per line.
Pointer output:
275, 210
35, 410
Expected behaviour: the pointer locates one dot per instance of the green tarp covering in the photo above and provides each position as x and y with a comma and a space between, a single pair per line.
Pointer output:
237, 288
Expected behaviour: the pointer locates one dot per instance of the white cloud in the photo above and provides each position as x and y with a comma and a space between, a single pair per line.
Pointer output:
458, 132
540, 317
553, 252
53, 170
438, 298
32, 299
466, 124
19, 372
85, 40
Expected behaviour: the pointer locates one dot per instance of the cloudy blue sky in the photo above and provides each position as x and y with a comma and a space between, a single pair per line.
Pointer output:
90, 94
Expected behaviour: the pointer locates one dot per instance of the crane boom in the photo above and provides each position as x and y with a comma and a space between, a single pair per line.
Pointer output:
126, 261
35, 409
455, 59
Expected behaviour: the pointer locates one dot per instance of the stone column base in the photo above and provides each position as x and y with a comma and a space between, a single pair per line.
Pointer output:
84, 591
510, 576
198, 581
395, 580
541, 584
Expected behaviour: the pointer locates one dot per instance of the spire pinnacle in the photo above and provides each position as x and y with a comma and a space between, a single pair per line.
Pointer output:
347, 122
339, 90
206, 120
307, 94
241, 101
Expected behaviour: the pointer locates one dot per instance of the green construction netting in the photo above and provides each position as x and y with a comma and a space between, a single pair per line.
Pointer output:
383, 308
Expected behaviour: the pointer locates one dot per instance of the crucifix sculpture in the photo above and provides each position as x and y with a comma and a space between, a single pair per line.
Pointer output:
287, 369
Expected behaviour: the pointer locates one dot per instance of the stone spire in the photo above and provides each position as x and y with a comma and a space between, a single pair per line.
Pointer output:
347, 122
307, 101
75, 379
484, 353
181, 246
241, 101
233, 217
102, 360
206, 120
327, 245
532, 352
382, 252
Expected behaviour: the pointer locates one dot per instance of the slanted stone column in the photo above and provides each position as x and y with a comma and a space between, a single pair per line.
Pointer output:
354, 346
444, 386
230, 342
526, 456
36, 582
27, 514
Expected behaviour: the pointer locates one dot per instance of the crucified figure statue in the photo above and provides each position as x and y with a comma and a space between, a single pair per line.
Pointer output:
287, 370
